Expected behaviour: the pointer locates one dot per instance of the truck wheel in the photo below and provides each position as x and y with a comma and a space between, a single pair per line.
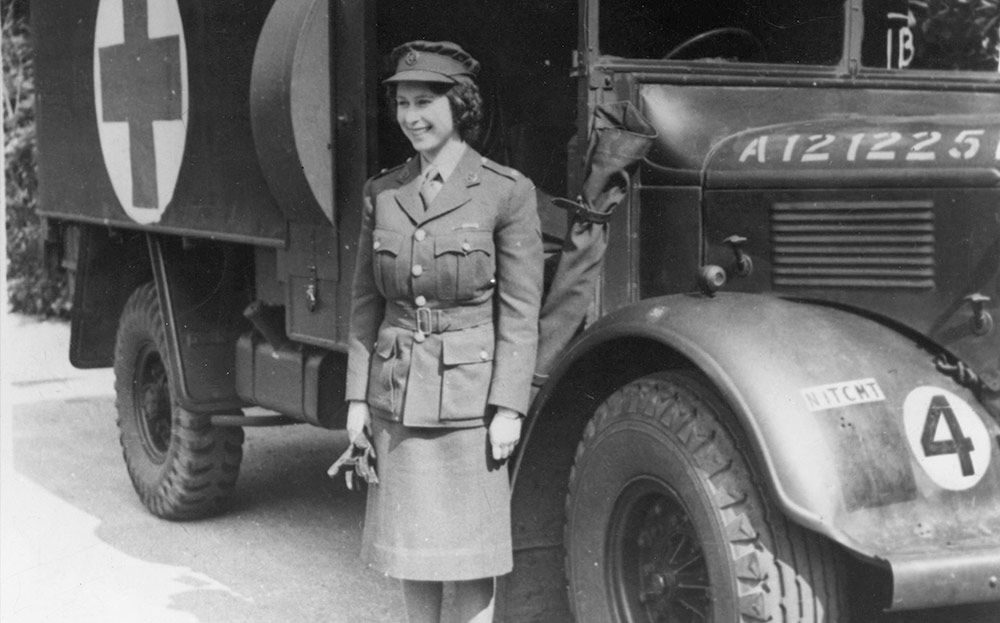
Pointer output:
666, 520
181, 466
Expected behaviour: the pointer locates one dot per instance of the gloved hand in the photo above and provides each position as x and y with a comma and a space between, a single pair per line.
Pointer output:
505, 432
359, 420
360, 455
358, 458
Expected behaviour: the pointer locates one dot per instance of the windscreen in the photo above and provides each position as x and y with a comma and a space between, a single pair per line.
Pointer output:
768, 31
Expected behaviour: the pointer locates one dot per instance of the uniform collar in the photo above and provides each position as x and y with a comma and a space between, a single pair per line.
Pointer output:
446, 160
455, 192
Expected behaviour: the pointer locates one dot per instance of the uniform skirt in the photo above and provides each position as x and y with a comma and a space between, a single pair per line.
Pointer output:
441, 511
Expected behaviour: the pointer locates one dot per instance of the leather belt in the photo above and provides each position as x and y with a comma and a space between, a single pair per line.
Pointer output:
424, 320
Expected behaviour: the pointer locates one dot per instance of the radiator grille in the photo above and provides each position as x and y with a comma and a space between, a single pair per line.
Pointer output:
853, 244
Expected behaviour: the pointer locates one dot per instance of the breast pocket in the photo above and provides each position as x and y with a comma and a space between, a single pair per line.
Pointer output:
386, 246
464, 264
467, 371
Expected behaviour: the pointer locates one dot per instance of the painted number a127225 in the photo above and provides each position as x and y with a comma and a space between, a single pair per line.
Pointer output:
874, 146
949, 440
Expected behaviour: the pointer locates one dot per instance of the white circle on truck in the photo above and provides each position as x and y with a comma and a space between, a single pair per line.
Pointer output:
948, 438
141, 101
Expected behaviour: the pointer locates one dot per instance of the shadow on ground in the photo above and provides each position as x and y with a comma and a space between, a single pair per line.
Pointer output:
286, 550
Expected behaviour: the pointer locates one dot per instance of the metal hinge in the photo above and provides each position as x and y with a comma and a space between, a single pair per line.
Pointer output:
600, 78
577, 67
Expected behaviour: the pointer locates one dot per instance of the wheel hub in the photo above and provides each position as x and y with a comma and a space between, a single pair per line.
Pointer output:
153, 405
657, 583
658, 571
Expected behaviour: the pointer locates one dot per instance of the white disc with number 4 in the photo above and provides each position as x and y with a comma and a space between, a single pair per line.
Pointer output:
949, 440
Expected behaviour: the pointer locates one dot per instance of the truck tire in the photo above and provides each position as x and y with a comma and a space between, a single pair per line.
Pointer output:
667, 521
181, 466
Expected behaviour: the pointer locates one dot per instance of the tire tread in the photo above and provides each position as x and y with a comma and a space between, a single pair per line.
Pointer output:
202, 463
784, 574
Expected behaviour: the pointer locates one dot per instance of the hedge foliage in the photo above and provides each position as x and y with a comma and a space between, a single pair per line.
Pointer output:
953, 34
31, 289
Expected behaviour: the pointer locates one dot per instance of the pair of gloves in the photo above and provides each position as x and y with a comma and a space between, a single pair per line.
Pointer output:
359, 458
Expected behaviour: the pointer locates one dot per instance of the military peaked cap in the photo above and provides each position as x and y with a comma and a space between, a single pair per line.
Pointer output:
432, 61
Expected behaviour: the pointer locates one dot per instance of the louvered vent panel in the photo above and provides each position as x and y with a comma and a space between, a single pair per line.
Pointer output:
843, 244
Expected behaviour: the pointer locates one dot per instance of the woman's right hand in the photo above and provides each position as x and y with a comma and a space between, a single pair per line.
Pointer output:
359, 420
360, 455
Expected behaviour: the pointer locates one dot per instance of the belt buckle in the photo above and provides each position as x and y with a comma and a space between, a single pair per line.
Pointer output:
424, 324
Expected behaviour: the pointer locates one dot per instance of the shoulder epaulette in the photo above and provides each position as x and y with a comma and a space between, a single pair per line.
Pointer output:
388, 178
513, 174
385, 172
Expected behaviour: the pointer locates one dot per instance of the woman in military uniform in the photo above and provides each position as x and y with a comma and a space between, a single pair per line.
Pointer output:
443, 340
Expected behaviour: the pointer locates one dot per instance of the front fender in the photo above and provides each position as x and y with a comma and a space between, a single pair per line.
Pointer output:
837, 408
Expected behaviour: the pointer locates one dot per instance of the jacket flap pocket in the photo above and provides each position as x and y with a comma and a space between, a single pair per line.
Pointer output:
467, 346
386, 346
386, 241
464, 243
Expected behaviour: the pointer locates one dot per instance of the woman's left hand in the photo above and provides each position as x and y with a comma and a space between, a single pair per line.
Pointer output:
505, 432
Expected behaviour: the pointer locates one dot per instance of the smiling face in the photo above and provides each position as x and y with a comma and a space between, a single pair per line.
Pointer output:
425, 118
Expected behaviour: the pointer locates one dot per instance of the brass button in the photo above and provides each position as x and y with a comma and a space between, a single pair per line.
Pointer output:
466, 247
417, 270
419, 336
420, 301
377, 245
484, 355
420, 235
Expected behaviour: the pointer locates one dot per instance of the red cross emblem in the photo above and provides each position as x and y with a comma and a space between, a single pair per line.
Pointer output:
142, 80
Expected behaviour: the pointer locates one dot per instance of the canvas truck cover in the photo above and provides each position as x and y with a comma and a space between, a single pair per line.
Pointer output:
145, 117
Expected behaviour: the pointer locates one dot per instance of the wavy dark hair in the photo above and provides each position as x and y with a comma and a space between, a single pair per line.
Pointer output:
464, 100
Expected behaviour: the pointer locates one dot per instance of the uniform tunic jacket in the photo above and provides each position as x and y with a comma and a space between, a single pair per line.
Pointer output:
474, 254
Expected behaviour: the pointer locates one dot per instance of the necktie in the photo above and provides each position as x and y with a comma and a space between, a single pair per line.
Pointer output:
431, 185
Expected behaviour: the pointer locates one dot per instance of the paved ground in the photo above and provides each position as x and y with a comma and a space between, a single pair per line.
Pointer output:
77, 546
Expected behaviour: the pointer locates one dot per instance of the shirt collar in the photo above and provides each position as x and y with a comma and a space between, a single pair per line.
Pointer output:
446, 160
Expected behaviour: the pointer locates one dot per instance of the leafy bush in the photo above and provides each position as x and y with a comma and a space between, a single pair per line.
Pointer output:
957, 34
31, 288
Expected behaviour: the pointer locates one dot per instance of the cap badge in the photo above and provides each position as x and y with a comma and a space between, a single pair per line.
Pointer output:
411, 58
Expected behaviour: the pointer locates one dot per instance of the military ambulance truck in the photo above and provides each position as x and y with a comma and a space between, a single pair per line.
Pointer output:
783, 374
